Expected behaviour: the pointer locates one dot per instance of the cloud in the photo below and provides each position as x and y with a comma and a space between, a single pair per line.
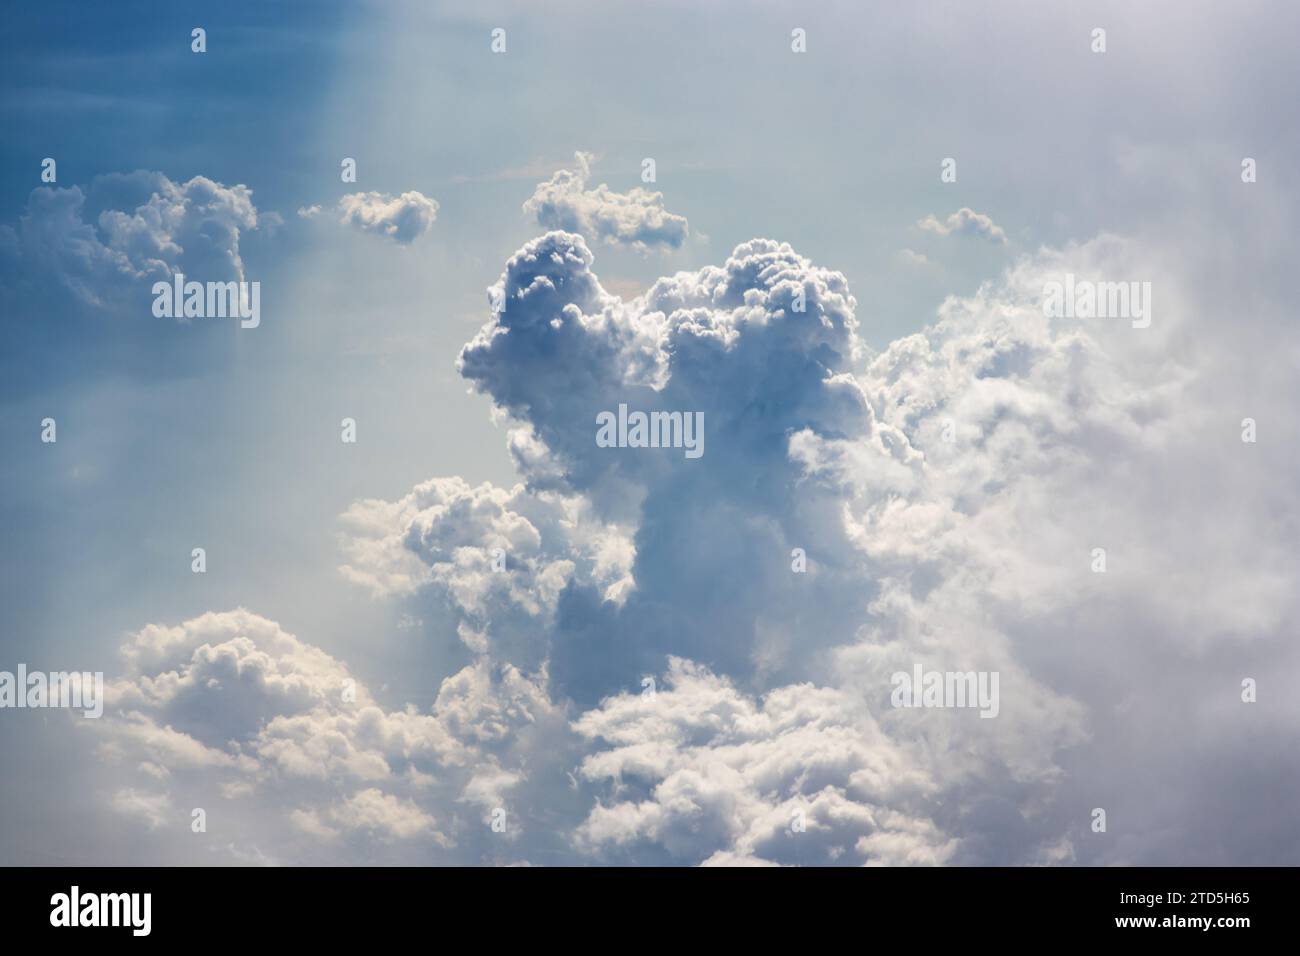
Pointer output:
648, 679
373, 811
708, 585
104, 247
965, 222
490, 556
636, 218
401, 218
153, 808
716, 776
239, 711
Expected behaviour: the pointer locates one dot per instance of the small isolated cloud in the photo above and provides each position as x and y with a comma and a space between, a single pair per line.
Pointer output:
910, 257
309, 212
966, 222
636, 218
402, 218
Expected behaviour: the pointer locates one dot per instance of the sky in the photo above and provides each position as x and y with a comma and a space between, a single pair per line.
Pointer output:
475, 636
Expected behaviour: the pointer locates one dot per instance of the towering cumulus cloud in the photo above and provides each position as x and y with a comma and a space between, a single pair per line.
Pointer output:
685, 660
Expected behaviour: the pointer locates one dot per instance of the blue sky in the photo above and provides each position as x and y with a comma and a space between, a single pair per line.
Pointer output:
1123, 165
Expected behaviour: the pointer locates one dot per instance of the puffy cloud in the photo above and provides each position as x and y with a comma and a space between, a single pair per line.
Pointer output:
1040, 410
965, 222
229, 709
947, 493
762, 348
562, 349
636, 218
373, 811
105, 246
497, 559
765, 347
1019, 444
804, 775
401, 218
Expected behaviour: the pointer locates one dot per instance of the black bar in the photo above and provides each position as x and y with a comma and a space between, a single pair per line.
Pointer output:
332, 906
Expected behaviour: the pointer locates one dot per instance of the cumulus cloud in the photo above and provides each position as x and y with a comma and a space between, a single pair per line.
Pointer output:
716, 776
765, 347
636, 218
106, 245
240, 712
492, 556
651, 678
375, 812
401, 218
965, 222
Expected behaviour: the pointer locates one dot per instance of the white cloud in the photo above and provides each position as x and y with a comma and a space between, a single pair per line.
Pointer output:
153, 808
401, 218
965, 222
493, 556
947, 491
374, 811
723, 776
235, 709
105, 246
636, 218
